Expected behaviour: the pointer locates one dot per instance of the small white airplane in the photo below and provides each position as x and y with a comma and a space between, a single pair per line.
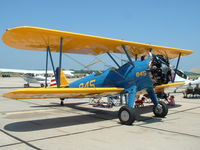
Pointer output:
187, 82
36, 76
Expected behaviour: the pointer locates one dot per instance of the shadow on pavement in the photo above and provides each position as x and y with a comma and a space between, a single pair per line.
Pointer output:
96, 115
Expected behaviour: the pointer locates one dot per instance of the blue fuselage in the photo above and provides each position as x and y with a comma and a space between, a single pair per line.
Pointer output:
124, 77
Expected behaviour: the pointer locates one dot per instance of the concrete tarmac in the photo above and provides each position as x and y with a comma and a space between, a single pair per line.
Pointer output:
44, 124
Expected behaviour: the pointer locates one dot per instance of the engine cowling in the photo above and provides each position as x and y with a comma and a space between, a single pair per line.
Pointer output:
160, 70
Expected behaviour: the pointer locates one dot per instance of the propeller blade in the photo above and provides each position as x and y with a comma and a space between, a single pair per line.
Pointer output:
180, 73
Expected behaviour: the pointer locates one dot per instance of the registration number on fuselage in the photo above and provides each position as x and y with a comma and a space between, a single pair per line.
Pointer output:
141, 74
87, 84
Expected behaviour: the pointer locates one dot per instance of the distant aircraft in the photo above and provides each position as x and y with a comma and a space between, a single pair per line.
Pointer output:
187, 82
35, 76
150, 75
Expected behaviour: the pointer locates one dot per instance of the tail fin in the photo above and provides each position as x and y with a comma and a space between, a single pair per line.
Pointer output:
63, 80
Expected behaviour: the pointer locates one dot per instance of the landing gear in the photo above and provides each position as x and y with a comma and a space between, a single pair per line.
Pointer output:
26, 85
127, 115
160, 110
62, 101
43, 85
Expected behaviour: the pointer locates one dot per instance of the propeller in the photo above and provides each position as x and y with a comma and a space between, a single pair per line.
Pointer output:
180, 73
162, 63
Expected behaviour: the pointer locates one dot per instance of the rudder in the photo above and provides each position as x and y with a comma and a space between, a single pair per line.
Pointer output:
64, 82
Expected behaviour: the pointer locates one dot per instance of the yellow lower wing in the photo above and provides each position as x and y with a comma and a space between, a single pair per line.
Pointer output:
42, 93
163, 86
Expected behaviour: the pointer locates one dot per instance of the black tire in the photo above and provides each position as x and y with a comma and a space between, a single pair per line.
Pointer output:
127, 115
42, 85
160, 112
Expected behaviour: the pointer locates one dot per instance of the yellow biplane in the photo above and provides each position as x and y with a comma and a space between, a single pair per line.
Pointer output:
136, 75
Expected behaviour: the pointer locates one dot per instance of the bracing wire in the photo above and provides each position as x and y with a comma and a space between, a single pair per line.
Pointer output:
93, 62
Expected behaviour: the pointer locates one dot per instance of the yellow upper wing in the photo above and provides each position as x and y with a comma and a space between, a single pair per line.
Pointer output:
34, 38
42, 93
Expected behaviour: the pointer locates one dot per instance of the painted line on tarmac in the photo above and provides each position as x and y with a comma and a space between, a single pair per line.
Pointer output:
75, 133
7, 145
29, 111
175, 132
185, 110
20, 140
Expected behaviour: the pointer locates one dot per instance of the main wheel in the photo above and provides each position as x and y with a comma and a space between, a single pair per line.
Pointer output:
160, 110
127, 115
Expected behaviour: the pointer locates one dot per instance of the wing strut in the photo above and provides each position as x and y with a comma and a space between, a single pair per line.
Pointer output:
177, 65
136, 57
56, 73
46, 68
52, 64
48, 53
60, 62
113, 59
127, 54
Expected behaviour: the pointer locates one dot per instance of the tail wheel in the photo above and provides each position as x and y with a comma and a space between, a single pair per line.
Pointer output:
160, 110
127, 115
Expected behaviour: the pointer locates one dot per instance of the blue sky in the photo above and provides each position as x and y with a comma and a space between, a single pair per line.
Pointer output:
173, 23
